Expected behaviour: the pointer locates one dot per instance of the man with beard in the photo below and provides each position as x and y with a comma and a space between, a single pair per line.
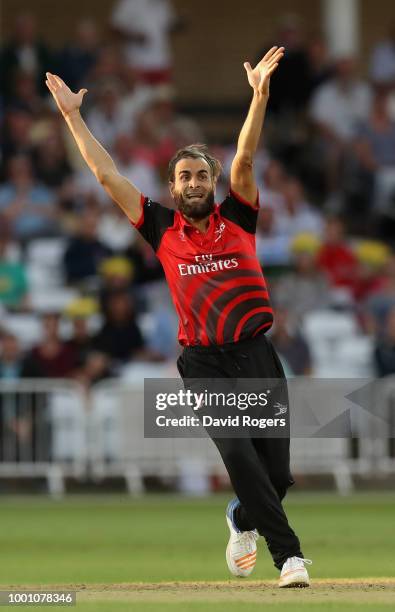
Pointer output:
208, 254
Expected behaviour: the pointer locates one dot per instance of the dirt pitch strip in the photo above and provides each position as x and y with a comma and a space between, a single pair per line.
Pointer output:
366, 590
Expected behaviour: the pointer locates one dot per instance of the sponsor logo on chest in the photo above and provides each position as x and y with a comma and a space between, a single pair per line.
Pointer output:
205, 264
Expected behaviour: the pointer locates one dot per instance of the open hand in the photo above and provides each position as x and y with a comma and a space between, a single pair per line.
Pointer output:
66, 100
259, 77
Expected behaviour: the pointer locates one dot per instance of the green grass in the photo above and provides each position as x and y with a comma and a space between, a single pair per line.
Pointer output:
95, 540
113, 539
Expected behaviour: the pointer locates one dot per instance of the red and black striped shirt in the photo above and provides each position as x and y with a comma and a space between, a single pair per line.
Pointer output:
215, 278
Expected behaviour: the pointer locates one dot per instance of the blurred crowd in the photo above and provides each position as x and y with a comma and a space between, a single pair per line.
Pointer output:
326, 174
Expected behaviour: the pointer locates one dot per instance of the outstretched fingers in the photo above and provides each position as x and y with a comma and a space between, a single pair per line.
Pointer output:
269, 54
279, 53
52, 81
49, 85
272, 69
273, 61
58, 81
272, 56
55, 81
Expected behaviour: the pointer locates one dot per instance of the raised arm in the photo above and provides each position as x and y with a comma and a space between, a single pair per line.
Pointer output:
242, 179
122, 191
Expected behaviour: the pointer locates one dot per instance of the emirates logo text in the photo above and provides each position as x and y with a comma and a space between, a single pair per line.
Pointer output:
205, 264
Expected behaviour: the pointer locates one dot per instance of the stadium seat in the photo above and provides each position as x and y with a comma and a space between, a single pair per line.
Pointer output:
354, 356
325, 331
26, 328
329, 324
47, 251
44, 262
52, 300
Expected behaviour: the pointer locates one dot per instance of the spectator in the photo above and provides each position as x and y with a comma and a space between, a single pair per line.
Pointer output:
144, 262
9, 247
320, 65
29, 205
305, 288
137, 159
13, 281
117, 274
340, 103
178, 129
105, 119
113, 232
84, 252
375, 308
51, 358
151, 145
108, 66
137, 166
382, 61
25, 93
78, 312
24, 52
335, 258
124, 273
91, 366
50, 159
162, 336
375, 152
11, 358
290, 343
375, 137
289, 87
271, 248
296, 215
370, 278
285, 214
136, 96
77, 58
16, 423
145, 27
120, 337
336, 107
274, 177
17, 130
384, 352
161, 340
97, 367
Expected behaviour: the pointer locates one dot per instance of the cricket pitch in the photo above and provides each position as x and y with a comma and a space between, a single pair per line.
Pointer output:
374, 590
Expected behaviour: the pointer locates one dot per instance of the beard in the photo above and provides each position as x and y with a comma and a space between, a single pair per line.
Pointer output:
195, 210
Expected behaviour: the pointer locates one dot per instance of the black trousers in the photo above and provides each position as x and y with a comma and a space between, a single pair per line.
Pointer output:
259, 468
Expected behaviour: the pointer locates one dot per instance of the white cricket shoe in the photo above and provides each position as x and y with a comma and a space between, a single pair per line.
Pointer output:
294, 573
241, 549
